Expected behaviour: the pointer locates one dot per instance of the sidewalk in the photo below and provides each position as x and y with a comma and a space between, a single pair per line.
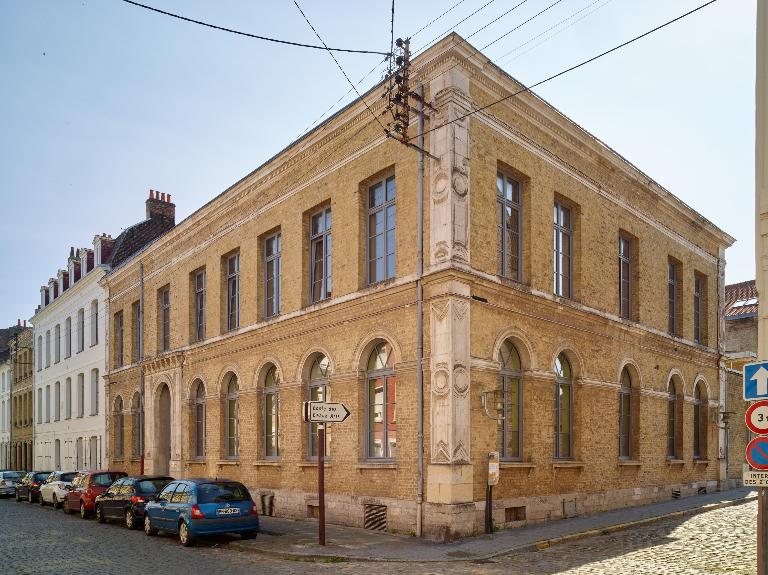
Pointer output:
297, 540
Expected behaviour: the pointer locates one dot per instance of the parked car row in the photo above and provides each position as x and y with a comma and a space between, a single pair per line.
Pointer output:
190, 508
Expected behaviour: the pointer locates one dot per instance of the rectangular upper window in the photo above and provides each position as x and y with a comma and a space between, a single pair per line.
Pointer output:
272, 273
508, 223
199, 305
700, 308
165, 319
563, 250
119, 339
233, 291
136, 316
625, 277
320, 255
381, 230
674, 286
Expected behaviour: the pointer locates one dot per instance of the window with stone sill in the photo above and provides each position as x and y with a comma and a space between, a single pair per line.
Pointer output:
510, 382
381, 428
271, 414
563, 408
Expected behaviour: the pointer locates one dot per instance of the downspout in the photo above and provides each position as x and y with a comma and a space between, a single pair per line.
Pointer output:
420, 315
140, 357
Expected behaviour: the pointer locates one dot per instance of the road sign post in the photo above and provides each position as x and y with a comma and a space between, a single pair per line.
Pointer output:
322, 413
321, 483
493, 479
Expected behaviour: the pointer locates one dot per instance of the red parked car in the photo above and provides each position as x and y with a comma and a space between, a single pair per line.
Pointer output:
86, 485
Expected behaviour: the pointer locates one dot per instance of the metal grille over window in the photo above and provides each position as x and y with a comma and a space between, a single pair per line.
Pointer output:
509, 220
563, 251
563, 409
272, 271
320, 252
382, 412
318, 391
375, 517
381, 231
510, 436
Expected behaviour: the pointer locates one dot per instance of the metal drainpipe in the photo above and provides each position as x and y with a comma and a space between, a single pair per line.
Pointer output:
140, 356
420, 314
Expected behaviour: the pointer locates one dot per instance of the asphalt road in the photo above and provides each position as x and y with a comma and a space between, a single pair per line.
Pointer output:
41, 541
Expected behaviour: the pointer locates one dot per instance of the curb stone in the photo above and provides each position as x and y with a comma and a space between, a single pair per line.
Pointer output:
338, 555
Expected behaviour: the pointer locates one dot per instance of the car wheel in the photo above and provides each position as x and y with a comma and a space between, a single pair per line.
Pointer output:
148, 529
83, 511
55, 502
100, 514
17, 496
130, 520
67, 509
40, 500
248, 535
186, 538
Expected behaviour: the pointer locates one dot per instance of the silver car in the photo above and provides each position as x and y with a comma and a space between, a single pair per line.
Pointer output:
54, 489
8, 480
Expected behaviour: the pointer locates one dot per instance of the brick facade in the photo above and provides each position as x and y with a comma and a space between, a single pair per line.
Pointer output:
470, 309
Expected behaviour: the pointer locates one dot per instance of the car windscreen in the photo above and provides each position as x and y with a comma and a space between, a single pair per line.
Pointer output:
104, 479
42, 476
220, 492
152, 485
11, 475
68, 476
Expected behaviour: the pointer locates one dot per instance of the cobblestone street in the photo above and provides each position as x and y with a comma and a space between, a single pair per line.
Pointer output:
42, 541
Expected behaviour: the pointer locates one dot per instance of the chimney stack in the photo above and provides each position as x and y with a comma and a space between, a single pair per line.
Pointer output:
19, 324
25, 324
159, 206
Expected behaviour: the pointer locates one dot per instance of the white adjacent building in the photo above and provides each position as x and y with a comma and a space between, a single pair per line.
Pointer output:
5, 412
70, 351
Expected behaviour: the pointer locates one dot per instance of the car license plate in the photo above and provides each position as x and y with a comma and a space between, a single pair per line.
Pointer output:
228, 511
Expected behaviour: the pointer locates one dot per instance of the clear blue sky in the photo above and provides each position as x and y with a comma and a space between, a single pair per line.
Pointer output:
101, 101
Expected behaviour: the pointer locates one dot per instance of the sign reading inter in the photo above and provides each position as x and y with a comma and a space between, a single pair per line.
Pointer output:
323, 412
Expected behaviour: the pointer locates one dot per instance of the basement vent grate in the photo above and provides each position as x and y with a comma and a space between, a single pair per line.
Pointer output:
675, 494
514, 514
375, 517
703, 490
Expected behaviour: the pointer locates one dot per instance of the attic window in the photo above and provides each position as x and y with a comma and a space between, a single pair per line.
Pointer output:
744, 302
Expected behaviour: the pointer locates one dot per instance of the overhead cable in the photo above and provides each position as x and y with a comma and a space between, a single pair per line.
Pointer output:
249, 35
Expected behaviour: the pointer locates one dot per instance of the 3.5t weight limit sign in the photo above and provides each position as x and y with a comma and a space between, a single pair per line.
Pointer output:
757, 417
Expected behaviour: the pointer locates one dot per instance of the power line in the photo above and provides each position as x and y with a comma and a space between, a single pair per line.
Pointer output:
256, 36
496, 19
437, 18
339, 66
555, 3
563, 72
483, 7
536, 37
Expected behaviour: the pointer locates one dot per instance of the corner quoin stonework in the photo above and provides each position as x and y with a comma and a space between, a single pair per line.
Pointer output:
469, 311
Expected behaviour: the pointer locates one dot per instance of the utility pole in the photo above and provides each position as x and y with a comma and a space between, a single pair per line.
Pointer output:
761, 240
400, 95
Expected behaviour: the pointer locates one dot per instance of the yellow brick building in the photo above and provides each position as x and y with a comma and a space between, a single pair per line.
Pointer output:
571, 312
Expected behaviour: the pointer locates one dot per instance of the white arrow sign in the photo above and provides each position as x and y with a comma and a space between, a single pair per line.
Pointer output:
322, 412
761, 377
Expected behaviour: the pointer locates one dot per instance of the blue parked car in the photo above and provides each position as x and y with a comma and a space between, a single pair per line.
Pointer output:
195, 507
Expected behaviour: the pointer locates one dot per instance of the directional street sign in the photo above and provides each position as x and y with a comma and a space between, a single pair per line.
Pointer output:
322, 412
756, 381
757, 417
757, 453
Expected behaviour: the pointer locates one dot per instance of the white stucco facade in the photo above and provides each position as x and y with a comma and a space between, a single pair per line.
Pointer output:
5, 414
70, 344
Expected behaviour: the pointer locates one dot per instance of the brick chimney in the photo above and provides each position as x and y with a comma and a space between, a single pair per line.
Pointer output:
53, 288
160, 206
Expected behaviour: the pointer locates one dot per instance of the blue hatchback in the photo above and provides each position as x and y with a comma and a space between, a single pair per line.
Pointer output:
195, 507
